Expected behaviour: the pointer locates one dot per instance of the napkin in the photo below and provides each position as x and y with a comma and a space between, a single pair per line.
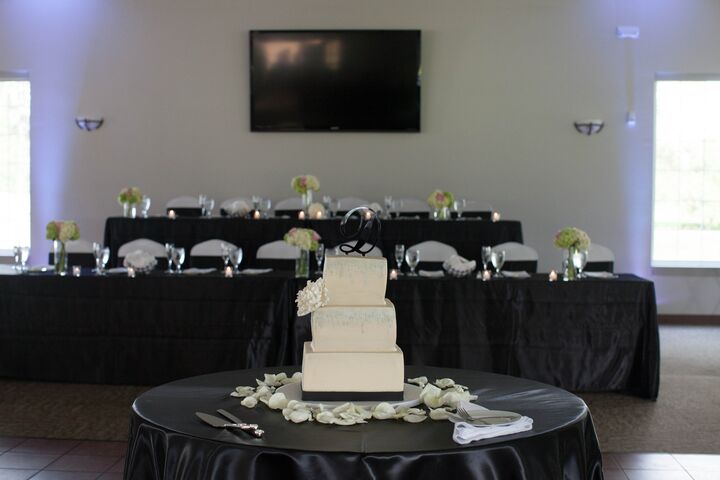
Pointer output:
40, 268
520, 274
198, 271
465, 433
255, 271
431, 273
117, 270
140, 260
238, 208
458, 266
8, 270
599, 275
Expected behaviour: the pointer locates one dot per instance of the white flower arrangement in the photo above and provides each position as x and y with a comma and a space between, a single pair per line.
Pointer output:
302, 183
439, 199
303, 238
316, 208
440, 398
312, 297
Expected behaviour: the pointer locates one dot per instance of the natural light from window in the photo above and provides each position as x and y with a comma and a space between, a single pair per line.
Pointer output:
14, 163
686, 210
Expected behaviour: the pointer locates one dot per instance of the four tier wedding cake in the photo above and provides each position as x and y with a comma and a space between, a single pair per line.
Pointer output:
353, 355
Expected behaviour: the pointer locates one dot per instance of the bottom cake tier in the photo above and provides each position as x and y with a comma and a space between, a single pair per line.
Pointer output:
348, 376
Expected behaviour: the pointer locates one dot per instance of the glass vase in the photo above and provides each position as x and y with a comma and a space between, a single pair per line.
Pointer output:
570, 273
306, 201
302, 264
444, 213
59, 257
129, 210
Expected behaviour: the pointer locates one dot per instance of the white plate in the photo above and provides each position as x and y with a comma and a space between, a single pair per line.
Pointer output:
411, 397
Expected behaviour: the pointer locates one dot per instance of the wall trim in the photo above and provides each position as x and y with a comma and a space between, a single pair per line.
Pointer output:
689, 319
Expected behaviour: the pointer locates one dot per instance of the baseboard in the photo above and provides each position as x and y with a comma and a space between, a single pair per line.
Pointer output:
689, 319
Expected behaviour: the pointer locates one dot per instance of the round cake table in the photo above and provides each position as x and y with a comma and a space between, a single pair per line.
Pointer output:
167, 440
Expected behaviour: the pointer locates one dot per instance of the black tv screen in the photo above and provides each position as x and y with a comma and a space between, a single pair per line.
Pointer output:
335, 80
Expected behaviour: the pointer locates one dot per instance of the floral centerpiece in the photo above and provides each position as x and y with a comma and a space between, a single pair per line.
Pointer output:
61, 232
441, 202
129, 198
307, 240
573, 240
305, 185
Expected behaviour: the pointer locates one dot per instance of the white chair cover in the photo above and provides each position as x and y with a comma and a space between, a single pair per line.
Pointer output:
78, 246
152, 247
278, 250
516, 252
210, 248
411, 205
186, 201
293, 203
600, 253
375, 252
346, 204
224, 205
432, 251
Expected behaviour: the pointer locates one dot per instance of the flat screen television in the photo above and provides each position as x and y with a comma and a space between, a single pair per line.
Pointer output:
335, 80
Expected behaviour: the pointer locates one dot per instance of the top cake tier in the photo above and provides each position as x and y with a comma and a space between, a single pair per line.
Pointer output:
355, 280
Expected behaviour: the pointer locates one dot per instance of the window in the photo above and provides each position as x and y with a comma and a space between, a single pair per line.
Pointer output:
14, 162
686, 210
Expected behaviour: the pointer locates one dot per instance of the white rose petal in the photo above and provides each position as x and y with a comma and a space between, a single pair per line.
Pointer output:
422, 381
431, 396
249, 402
243, 392
439, 413
413, 418
342, 408
445, 382
451, 398
347, 421
277, 401
383, 411
299, 416
325, 417
263, 392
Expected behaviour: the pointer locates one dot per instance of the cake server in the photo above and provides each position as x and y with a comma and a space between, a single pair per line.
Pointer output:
218, 422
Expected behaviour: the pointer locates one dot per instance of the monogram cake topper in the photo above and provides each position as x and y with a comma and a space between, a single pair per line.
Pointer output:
367, 233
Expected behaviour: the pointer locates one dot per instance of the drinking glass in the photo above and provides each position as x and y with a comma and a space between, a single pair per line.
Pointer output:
169, 247
388, 206
16, 258
320, 257
399, 256
145, 206
266, 207
412, 257
201, 203
225, 253
236, 256
104, 259
97, 254
486, 253
579, 261
208, 206
256, 201
178, 258
498, 259
328, 204
24, 256
459, 207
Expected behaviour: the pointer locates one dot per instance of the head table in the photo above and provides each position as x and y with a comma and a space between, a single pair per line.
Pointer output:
167, 441
588, 335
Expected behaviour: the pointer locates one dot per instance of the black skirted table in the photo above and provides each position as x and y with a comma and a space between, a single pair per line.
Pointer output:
167, 441
467, 236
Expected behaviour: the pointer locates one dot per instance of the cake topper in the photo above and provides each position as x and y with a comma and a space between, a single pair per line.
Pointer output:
367, 232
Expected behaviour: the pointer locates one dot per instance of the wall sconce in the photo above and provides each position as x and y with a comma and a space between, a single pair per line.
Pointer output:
89, 124
589, 127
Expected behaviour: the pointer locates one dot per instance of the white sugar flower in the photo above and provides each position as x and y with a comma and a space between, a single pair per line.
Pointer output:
422, 381
312, 297
249, 402
445, 382
383, 411
242, 392
278, 401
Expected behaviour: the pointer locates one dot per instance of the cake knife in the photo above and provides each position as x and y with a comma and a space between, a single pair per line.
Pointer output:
218, 422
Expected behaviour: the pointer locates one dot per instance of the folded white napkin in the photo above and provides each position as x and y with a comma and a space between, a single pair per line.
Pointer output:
8, 270
140, 260
255, 271
117, 270
599, 275
40, 268
198, 271
431, 273
238, 208
465, 433
520, 274
458, 266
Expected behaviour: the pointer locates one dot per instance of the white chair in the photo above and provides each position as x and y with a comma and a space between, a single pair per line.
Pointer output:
375, 252
600, 253
411, 205
517, 252
152, 247
432, 251
186, 201
346, 204
78, 246
278, 250
294, 203
210, 248
224, 205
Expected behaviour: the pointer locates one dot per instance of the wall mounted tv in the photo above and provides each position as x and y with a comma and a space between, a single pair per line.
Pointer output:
335, 80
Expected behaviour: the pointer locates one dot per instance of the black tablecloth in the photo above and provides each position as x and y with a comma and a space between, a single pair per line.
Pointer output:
167, 441
467, 236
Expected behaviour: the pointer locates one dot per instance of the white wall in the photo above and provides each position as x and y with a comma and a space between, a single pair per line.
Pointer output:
503, 81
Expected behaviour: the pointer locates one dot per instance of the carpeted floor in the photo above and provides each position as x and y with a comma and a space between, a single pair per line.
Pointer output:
685, 418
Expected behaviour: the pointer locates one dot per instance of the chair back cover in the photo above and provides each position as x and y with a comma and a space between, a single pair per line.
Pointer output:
278, 250
600, 253
433, 251
210, 248
289, 206
346, 204
185, 201
78, 246
516, 252
152, 247
226, 204
412, 205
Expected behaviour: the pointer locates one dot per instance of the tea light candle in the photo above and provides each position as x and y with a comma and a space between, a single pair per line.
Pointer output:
76, 270
131, 272
228, 272
368, 215
486, 275
393, 274
171, 214
496, 216
319, 215
301, 215
553, 276
256, 215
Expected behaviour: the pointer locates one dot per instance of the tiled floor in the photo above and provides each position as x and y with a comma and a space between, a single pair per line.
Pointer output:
42, 459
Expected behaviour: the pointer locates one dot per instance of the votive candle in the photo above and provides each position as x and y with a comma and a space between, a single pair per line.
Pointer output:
171, 214
76, 270
496, 216
256, 215
552, 276
486, 275
393, 274
319, 215
228, 272
301, 215
131, 272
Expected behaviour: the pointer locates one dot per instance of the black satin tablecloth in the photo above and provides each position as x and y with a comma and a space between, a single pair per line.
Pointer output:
467, 236
167, 441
